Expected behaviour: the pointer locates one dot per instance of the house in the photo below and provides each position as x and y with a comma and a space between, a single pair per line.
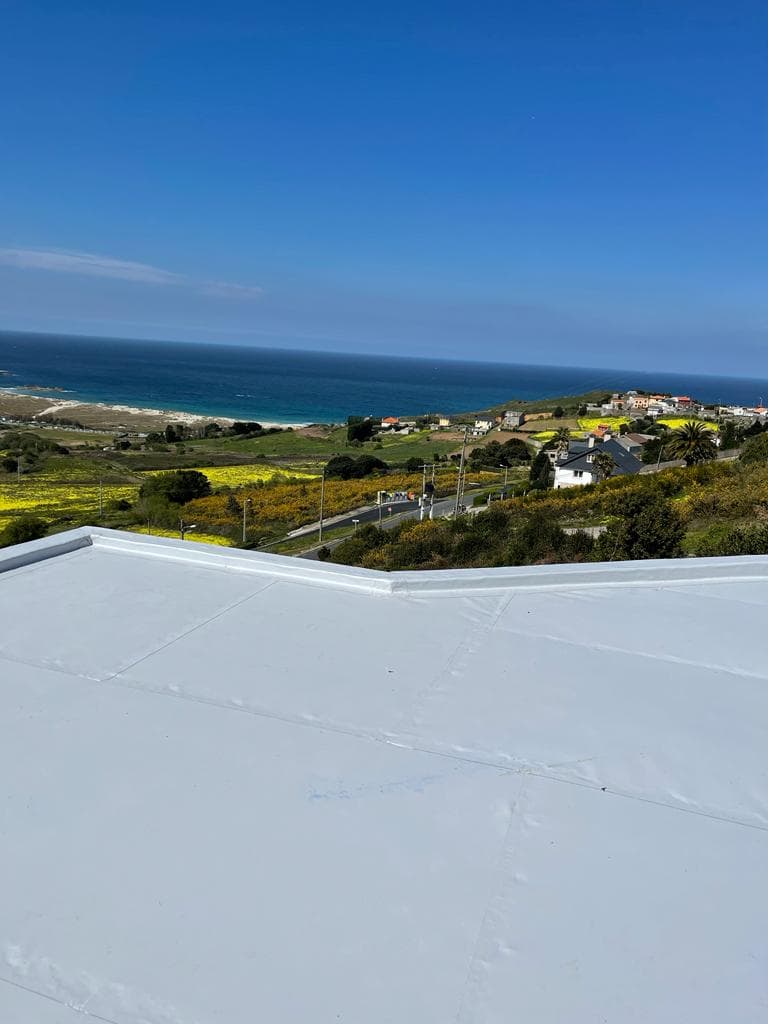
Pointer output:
662, 407
574, 448
390, 423
634, 443
481, 427
601, 431
639, 402
577, 468
616, 404
511, 419
443, 422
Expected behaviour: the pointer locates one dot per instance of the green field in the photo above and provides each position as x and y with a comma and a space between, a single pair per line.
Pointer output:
292, 445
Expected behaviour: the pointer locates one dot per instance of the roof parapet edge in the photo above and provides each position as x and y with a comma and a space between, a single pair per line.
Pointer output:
32, 551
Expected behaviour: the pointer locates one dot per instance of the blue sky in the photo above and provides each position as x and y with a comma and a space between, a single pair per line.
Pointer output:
553, 182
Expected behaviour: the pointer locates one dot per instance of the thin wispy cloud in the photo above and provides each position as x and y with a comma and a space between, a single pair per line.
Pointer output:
68, 261
226, 290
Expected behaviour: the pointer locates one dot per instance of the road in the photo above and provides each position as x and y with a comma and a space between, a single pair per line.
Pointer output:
402, 510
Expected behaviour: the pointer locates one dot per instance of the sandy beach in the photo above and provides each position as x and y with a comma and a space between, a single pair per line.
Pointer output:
101, 416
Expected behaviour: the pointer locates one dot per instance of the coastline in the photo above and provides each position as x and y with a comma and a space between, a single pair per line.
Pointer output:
104, 416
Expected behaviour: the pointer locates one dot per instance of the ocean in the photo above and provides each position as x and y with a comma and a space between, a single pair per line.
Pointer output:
289, 386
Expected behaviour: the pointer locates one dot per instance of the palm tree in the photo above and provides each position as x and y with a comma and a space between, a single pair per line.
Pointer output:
694, 442
562, 440
604, 465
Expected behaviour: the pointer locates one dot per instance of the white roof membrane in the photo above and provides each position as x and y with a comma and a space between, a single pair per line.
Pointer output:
240, 787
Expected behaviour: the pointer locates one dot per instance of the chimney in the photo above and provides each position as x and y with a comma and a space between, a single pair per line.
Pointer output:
591, 441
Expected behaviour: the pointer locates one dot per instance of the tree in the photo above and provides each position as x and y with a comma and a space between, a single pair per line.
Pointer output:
755, 450
649, 527
340, 467
343, 467
539, 472
23, 529
729, 436
558, 412
604, 465
10, 464
175, 432
359, 429
494, 454
755, 428
248, 427
652, 451
176, 487
694, 442
413, 465
515, 451
365, 465
562, 440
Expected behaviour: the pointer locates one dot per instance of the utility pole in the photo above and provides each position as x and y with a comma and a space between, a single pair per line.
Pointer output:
461, 473
424, 469
246, 504
101, 499
322, 504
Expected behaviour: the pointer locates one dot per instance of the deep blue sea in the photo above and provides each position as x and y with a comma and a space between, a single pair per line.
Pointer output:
279, 385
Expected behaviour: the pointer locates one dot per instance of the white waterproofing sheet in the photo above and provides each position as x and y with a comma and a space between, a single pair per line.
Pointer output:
240, 788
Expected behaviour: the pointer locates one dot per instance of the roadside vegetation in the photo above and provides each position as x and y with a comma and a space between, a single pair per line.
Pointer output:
705, 509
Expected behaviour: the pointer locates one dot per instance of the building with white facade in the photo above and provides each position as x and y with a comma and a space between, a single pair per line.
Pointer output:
482, 426
577, 466
240, 787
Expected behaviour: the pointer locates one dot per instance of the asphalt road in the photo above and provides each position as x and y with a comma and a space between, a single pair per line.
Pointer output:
401, 511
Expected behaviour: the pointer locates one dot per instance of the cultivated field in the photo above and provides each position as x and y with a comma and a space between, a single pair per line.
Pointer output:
241, 476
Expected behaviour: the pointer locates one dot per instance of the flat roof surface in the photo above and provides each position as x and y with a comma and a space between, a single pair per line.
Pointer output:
240, 788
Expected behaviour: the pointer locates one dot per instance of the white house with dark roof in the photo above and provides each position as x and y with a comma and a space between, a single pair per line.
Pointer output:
577, 467
482, 426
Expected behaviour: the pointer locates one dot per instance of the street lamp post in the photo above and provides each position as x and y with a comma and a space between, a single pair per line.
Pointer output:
422, 505
246, 505
506, 475
357, 523
184, 528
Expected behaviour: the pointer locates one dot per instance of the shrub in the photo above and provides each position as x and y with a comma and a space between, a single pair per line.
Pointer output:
23, 529
755, 450
176, 487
